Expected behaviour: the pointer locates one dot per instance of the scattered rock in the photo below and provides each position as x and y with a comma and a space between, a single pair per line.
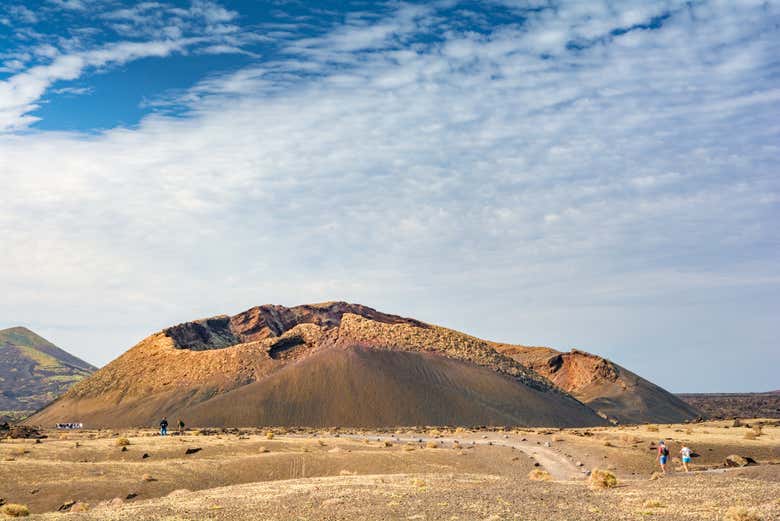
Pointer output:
734, 460
24, 432
131, 495
192, 450
148, 478
124, 449
35, 491
115, 503
580, 464
66, 506
145, 455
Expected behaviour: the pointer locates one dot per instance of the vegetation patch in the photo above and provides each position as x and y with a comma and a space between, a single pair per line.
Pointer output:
601, 479
741, 514
539, 475
16, 510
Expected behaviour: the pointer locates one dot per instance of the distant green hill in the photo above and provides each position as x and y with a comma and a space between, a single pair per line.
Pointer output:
33, 372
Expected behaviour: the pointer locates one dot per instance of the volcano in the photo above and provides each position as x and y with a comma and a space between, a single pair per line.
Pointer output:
332, 364
327, 364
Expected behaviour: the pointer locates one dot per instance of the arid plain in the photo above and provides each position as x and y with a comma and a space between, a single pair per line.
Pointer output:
414, 473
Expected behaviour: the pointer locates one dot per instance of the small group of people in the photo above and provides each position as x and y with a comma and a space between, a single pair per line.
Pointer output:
663, 456
164, 426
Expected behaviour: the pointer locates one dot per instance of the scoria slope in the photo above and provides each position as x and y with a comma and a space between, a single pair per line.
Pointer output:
611, 390
33, 372
317, 365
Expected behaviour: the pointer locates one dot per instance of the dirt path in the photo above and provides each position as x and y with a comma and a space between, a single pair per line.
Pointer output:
558, 465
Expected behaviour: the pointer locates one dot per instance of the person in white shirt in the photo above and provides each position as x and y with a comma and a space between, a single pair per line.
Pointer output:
686, 452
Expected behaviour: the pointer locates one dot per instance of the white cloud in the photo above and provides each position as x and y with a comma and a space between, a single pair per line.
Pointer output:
470, 181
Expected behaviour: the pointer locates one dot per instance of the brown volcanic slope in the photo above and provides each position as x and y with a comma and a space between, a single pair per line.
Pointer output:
33, 372
325, 364
611, 390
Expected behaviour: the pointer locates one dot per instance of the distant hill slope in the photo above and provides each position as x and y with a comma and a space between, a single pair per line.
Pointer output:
611, 390
323, 364
33, 371
735, 405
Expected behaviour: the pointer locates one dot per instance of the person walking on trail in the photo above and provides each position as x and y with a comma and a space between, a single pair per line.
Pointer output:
663, 455
181, 426
164, 427
686, 452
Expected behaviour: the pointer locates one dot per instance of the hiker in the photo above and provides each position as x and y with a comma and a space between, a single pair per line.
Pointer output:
164, 427
663, 455
181, 426
686, 452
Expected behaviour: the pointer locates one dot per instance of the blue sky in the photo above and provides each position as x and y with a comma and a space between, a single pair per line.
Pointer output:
598, 175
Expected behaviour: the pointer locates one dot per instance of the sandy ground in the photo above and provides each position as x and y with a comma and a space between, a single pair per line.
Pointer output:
390, 475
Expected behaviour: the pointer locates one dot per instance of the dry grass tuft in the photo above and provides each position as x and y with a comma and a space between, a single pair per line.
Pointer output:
264, 450
741, 514
750, 435
652, 428
630, 439
321, 443
80, 507
122, 442
418, 483
16, 510
269, 435
656, 475
602, 479
608, 444
432, 444
653, 503
409, 447
539, 475
388, 443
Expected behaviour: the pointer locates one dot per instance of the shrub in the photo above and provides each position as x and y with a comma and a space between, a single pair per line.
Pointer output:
653, 503
608, 444
629, 438
16, 510
652, 428
432, 444
750, 435
122, 442
269, 435
388, 443
539, 475
264, 450
321, 443
409, 447
602, 479
758, 429
741, 514
80, 507
656, 475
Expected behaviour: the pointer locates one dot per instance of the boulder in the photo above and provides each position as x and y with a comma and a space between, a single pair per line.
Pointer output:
735, 460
